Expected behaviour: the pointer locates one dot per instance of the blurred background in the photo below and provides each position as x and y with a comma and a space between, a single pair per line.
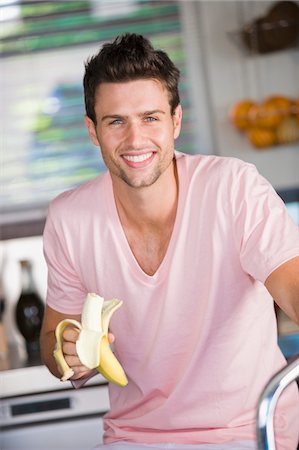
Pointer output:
239, 87
44, 44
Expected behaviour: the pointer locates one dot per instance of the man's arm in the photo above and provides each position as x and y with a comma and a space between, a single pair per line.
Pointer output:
70, 336
283, 285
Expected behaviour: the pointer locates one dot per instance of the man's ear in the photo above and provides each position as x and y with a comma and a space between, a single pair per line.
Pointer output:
177, 121
91, 130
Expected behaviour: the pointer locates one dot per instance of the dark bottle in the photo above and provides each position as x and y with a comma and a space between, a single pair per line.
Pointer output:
29, 313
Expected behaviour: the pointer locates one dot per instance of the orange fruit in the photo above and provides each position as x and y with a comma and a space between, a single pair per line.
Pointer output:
296, 108
284, 104
267, 114
239, 114
288, 131
261, 137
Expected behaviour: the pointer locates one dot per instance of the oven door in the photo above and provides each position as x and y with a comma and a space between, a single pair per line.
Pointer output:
60, 420
81, 433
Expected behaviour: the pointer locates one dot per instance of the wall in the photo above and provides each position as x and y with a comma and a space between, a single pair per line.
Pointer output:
223, 72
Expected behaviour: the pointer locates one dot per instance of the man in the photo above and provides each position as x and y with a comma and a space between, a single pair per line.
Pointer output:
196, 246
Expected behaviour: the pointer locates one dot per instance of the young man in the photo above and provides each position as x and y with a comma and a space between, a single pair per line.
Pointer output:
197, 247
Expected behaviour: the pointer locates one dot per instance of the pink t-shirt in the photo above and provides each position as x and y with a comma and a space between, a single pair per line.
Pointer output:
198, 339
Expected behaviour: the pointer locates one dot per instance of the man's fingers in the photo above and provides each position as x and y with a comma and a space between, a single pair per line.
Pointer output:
73, 362
69, 338
79, 370
69, 348
70, 334
111, 338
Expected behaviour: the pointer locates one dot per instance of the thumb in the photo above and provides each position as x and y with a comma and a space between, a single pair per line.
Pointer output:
111, 337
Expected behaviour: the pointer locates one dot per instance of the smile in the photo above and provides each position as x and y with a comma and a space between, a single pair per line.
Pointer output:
138, 158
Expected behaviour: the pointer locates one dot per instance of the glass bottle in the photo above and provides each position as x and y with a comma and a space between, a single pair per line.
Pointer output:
29, 312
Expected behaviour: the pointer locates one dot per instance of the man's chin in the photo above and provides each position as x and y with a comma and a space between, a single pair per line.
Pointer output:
140, 183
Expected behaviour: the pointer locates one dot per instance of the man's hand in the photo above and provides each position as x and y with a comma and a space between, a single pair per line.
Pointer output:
48, 342
70, 336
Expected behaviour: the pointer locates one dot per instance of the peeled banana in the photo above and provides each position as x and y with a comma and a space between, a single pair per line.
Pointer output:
92, 345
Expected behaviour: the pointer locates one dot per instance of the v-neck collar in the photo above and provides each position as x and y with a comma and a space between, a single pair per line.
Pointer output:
138, 272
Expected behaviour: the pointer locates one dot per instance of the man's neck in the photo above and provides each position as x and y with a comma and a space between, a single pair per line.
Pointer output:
147, 216
150, 207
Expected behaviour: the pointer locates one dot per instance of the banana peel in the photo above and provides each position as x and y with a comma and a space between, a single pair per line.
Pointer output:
92, 345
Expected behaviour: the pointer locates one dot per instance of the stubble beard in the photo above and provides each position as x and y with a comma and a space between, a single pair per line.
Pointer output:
147, 181
131, 181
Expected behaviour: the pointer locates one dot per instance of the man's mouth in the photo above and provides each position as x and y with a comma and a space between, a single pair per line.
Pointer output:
138, 158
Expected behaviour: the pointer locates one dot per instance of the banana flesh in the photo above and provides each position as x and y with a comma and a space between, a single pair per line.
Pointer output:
92, 345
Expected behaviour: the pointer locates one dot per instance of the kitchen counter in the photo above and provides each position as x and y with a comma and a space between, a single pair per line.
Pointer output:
27, 380
20, 377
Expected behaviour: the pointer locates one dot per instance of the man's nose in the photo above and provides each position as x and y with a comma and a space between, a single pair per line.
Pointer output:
134, 135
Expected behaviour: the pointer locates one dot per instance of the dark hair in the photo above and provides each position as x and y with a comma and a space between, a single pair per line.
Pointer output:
129, 57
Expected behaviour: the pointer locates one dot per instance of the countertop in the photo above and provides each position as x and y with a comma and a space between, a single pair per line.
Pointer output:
21, 377
27, 380
35, 379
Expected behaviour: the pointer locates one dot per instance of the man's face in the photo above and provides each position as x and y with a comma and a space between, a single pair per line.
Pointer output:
135, 130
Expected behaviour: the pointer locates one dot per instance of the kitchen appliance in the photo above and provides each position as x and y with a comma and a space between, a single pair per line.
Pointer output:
37, 411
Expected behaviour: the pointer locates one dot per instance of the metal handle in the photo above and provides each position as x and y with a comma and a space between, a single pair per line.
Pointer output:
268, 401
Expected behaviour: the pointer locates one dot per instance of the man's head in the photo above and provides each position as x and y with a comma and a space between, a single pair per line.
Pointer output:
130, 57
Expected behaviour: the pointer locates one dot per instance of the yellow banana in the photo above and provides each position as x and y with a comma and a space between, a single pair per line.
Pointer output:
92, 345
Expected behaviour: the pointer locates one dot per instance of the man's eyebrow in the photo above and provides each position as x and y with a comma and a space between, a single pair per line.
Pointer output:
112, 116
154, 111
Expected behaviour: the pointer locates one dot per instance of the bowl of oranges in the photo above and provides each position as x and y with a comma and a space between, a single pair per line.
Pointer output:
273, 121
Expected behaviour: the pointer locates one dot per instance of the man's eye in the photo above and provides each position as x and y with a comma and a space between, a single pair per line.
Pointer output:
150, 119
115, 122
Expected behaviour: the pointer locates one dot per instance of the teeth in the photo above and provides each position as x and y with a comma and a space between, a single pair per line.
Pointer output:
138, 158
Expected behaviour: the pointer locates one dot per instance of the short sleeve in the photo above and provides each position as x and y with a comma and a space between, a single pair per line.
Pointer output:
265, 233
65, 292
